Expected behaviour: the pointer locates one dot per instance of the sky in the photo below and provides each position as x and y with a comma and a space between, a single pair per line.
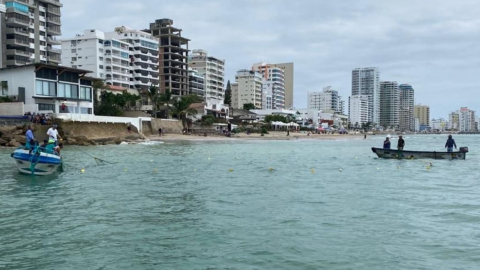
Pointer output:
431, 44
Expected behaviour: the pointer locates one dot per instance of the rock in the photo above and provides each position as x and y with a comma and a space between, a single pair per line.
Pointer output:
7, 129
133, 137
13, 143
118, 140
21, 139
70, 141
3, 142
18, 132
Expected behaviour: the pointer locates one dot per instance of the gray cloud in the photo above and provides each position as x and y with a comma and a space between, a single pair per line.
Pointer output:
430, 44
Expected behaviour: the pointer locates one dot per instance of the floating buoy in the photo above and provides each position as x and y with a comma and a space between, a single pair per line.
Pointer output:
155, 170
126, 170
271, 169
230, 170
340, 170
312, 170
151, 160
398, 167
428, 167
82, 170
378, 168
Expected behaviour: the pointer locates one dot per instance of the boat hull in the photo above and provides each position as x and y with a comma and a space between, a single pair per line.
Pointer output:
402, 154
37, 164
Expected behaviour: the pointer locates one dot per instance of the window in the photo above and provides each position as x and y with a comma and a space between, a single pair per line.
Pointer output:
74, 50
74, 59
100, 50
46, 107
44, 88
85, 93
100, 67
100, 58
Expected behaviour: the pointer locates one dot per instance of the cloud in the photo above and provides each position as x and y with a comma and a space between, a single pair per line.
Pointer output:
425, 43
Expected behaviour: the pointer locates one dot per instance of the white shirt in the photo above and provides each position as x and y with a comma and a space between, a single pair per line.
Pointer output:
52, 133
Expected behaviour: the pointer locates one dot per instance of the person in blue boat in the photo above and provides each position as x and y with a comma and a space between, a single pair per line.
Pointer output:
29, 138
450, 144
386, 143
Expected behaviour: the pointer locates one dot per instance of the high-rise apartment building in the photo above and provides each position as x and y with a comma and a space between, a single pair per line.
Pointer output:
366, 81
28, 31
407, 104
247, 89
454, 120
173, 57
213, 69
196, 83
124, 58
276, 75
289, 71
389, 104
422, 113
328, 100
267, 95
466, 120
358, 110
3, 9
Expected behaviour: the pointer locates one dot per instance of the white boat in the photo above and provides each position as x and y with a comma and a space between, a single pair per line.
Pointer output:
36, 162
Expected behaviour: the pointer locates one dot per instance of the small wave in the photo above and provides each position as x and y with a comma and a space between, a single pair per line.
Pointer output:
150, 143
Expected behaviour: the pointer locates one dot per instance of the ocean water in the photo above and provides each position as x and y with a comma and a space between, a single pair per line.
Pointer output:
245, 205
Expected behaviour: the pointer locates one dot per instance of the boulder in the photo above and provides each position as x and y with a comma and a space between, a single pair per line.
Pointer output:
71, 141
21, 139
3, 142
13, 143
118, 140
7, 129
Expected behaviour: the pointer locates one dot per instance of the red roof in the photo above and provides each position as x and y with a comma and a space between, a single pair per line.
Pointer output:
116, 88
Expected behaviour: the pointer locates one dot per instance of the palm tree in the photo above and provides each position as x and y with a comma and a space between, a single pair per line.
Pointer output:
153, 96
181, 108
166, 99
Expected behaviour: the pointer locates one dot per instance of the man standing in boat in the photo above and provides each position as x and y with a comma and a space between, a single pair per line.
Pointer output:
30, 139
53, 134
401, 143
386, 143
450, 144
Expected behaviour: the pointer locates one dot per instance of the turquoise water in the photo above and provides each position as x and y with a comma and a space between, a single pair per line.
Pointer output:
245, 205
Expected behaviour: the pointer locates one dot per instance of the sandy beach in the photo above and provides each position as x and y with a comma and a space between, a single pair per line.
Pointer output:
256, 136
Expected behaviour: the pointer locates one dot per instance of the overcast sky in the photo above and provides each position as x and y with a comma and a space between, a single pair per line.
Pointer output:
431, 44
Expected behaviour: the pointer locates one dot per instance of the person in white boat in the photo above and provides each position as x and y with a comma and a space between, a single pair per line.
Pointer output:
53, 134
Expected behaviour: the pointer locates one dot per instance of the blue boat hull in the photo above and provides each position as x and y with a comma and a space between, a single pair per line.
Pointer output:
36, 164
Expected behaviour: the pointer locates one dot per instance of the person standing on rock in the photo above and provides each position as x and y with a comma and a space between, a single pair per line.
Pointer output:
53, 134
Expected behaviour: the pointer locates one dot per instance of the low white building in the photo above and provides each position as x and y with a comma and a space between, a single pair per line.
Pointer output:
439, 124
262, 113
45, 87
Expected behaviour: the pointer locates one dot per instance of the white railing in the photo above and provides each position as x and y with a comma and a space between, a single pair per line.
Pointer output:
90, 118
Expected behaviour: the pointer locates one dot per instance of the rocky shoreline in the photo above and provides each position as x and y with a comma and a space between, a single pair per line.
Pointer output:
14, 136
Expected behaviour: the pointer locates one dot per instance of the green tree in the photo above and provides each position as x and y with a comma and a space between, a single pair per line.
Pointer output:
154, 97
166, 99
275, 118
248, 106
228, 94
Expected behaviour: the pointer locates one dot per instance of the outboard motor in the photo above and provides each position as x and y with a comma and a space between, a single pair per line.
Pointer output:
464, 149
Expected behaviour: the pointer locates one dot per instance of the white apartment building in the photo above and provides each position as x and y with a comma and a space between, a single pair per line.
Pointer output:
196, 83
439, 124
366, 81
407, 104
358, 110
328, 100
213, 69
28, 32
389, 104
124, 58
466, 120
247, 89
276, 75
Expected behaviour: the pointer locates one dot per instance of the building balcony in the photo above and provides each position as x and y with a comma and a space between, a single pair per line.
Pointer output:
18, 31
17, 62
54, 31
19, 52
53, 2
54, 10
54, 20
18, 42
14, 22
53, 41
54, 58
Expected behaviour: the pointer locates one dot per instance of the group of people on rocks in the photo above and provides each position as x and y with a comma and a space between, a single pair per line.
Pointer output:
401, 143
50, 146
39, 119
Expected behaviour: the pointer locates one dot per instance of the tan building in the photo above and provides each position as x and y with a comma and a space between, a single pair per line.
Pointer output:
289, 77
247, 89
422, 112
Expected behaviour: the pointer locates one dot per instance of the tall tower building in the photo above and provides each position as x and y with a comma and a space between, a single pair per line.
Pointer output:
389, 104
466, 120
275, 75
289, 77
213, 69
366, 81
173, 57
29, 32
407, 104
247, 88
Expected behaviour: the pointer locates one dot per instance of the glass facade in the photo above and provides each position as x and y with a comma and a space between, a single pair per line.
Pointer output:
17, 6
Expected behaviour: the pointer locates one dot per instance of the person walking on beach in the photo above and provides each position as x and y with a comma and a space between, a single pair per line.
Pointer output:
401, 143
53, 134
450, 144
386, 143
365, 136
160, 132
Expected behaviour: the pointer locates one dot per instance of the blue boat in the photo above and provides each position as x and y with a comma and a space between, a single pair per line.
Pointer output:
36, 162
